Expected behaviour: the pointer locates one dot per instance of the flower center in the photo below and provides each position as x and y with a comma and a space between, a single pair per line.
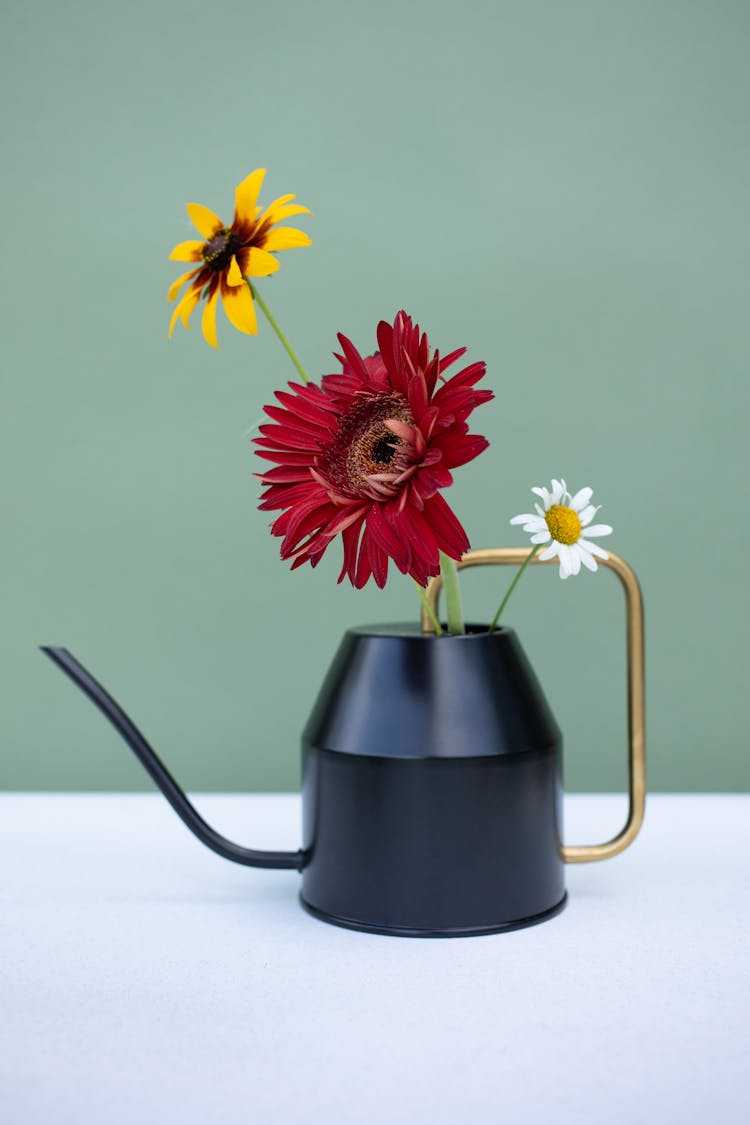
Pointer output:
563, 523
384, 449
218, 251
363, 446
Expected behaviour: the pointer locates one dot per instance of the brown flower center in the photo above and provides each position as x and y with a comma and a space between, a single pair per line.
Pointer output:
363, 446
219, 250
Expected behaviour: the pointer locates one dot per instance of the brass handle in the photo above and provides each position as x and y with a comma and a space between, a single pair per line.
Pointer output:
515, 556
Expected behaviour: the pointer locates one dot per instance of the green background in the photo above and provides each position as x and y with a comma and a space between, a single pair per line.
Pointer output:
563, 187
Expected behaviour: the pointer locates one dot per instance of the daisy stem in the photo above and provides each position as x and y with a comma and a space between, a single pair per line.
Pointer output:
512, 586
453, 611
428, 609
275, 325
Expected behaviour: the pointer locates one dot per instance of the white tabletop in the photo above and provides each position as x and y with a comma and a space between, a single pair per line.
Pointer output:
146, 981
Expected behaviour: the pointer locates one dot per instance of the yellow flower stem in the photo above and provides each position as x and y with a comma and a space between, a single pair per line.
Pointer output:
453, 611
512, 586
275, 325
428, 609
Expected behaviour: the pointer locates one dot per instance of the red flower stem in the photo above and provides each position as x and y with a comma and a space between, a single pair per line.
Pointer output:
512, 586
453, 611
275, 325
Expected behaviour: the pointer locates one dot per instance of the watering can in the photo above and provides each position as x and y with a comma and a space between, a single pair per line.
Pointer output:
431, 778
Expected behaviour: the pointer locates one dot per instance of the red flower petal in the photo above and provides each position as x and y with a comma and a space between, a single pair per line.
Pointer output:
453, 539
381, 529
459, 450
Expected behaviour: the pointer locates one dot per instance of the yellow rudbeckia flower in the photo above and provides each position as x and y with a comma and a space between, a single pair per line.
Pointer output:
228, 255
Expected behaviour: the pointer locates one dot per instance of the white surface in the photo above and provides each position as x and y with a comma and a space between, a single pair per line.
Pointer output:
145, 980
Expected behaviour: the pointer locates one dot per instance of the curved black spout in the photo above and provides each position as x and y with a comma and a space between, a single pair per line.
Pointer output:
161, 775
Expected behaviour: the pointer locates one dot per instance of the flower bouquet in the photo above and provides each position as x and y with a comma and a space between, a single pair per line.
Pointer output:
366, 453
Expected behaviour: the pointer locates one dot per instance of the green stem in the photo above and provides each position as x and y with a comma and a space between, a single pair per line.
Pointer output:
453, 611
255, 425
512, 586
275, 325
428, 608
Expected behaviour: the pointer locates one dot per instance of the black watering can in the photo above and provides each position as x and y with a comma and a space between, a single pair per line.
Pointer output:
431, 778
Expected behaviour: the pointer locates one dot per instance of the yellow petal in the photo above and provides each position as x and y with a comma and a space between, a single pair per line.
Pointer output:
281, 208
239, 307
280, 201
208, 322
178, 284
204, 219
186, 252
246, 195
260, 263
234, 273
285, 238
184, 309
188, 306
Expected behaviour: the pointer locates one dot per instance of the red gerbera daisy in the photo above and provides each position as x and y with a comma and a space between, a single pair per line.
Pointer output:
365, 454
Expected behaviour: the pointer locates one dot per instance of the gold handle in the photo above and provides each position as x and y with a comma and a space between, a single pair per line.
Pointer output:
515, 556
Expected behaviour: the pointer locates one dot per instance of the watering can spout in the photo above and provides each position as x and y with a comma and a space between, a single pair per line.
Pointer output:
161, 776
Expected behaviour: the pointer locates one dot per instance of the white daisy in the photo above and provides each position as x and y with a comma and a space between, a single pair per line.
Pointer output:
566, 521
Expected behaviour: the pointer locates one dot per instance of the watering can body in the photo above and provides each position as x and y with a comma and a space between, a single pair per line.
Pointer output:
431, 787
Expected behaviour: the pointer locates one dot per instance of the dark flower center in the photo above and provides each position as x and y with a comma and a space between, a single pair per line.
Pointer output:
363, 446
384, 449
218, 251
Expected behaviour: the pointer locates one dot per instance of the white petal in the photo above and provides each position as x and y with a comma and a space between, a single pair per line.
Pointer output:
587, 514
543, 495
539, 510
523, 519
565, 566
550, 551
581, 499
593, 549
599, 529
540, 536
575, 560
558, 491
571, 559
586, 558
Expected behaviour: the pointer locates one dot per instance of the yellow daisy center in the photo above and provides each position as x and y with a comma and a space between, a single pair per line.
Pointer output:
563, 523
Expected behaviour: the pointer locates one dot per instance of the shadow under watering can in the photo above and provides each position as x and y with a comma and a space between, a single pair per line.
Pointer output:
431, 778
